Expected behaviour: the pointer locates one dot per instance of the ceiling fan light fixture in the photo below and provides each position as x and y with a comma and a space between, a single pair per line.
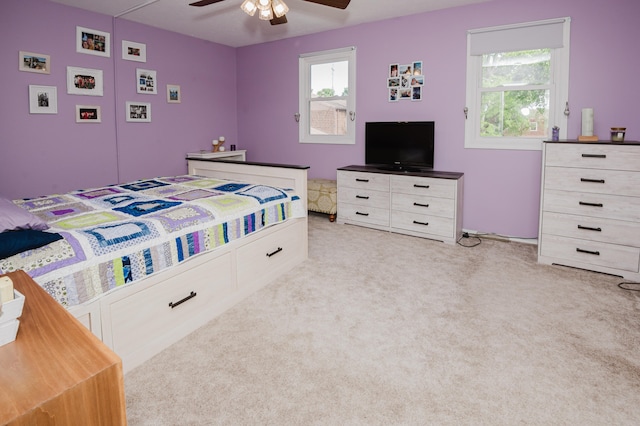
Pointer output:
264, 4
265, 15
279, 8
249, 7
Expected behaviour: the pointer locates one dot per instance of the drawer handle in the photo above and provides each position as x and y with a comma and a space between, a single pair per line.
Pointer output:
181, 301
595, 253
594, 155
582, 203
421, 205
362, 214
273, 253
587, 228
362, 197
415, 185
592, 180
421, 223
362, 180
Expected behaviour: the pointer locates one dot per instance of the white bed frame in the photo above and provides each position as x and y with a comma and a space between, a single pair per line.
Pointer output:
141, 319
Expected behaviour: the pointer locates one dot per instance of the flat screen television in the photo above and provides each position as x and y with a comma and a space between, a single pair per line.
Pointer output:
400, 145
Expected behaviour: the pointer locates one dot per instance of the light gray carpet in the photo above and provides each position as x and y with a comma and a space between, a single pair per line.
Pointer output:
380, 329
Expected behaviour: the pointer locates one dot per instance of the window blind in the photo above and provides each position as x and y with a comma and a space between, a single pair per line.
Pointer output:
548, 34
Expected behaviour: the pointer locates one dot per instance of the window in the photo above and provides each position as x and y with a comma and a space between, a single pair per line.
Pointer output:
517, 84
327, 96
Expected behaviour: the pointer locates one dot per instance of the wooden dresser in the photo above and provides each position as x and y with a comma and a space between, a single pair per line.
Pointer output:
57, 372
590, 206
424, 204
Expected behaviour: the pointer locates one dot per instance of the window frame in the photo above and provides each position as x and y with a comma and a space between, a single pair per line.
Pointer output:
305, 62
559, 90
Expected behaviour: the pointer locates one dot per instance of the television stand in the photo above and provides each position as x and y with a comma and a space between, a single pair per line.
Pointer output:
423, 203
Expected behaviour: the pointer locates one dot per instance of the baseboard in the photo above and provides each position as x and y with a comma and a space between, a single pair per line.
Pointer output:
498, 237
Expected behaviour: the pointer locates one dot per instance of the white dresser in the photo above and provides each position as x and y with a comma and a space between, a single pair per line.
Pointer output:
424, 204
590, 206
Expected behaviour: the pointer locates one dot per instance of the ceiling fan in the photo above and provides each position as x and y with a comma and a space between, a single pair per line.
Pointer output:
273, 10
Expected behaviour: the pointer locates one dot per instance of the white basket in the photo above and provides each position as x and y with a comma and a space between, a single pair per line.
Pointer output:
8, 313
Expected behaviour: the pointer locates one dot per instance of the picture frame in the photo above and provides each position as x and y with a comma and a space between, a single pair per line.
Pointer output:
417, 68
88, 114
393, 70
416, 93
138, 112
132, 51
93, 42
173, 94
146, 82
34, 62
43, 99
394, 95
84, 81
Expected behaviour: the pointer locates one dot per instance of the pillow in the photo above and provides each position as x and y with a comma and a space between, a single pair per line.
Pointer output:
14, 217
14, 242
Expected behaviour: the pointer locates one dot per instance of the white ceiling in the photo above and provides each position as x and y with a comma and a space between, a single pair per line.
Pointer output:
225, 23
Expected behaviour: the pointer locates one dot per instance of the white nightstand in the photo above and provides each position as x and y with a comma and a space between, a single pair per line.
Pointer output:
239, 155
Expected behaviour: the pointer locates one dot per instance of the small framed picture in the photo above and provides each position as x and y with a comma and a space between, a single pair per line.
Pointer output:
84, 81
405, 69
393, 70
393, 94
417, 68
132, 51
43, 99
393, 82
34, 62
417, 80
404, 93
173, 94
138, 112
88, 114
146, 81
93, 42
416, 93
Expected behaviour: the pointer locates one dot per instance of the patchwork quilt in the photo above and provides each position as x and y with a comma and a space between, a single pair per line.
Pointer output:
118, 234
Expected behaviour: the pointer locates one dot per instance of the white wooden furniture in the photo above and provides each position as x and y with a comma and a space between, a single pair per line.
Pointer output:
139, 320
239, 155
425, 204
590, 206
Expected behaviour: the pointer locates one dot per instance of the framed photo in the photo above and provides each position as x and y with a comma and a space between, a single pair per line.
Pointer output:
393, 94
138, 112
406, 69
43, 99
34, 62
88, 114
146, 81
93, 42
417, 80
132, 51
84, 81
173, 94
417, 68
416, 93
393, 70
393, 82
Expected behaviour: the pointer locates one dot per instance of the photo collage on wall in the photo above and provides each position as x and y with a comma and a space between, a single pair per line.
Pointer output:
405, 81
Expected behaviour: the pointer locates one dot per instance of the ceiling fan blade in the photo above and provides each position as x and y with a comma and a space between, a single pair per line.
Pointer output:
204, 3
278, 21
340, 4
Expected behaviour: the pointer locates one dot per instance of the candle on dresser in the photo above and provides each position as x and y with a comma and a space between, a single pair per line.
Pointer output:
587, 121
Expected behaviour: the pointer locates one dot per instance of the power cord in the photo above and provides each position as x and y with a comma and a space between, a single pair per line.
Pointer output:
623, 285
465, 235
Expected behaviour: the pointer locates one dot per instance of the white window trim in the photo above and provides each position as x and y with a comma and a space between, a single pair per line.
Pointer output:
304, 66
557, 104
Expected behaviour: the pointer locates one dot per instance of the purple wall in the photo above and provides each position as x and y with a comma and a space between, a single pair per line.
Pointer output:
250, 95
42, 154
502, 188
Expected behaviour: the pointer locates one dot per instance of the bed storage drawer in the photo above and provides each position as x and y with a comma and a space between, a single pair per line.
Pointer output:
271, 255
146, 317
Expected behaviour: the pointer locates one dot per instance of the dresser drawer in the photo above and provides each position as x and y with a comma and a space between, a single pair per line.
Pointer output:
363, 180
154, 316
445, 188
593, 156
590, 228
593, 181
589, 252
443, 207
363, 197
270, 254
414, 222
371, 215
595, 205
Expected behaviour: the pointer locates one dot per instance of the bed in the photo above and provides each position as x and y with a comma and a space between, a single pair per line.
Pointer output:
144, 263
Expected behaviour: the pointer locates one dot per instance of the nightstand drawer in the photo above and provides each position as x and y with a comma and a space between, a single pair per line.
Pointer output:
593, 156
588, 252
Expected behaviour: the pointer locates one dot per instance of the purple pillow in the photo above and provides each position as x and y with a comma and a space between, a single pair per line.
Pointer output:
13, 217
